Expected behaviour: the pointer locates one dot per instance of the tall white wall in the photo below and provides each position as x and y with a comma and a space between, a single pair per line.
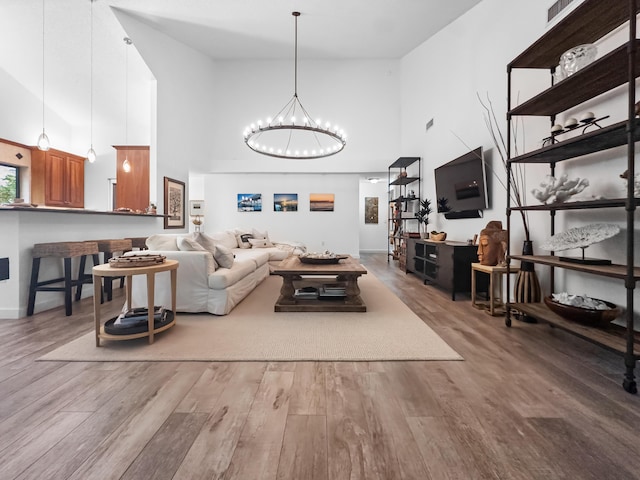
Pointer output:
336, 231
441, 80
374, 236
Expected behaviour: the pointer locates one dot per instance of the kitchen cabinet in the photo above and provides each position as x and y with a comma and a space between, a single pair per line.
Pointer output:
57, 179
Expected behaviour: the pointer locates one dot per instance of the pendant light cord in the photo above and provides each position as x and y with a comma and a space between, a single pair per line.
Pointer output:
295, 62
91, 78
43, 65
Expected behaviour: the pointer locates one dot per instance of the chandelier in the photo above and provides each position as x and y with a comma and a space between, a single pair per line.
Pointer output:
292, 132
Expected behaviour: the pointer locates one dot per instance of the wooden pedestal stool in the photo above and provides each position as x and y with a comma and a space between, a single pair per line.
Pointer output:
109, 248
66, 251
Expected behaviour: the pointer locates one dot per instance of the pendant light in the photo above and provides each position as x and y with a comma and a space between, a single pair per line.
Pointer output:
292, 132
91, 154
126, 165
43, 141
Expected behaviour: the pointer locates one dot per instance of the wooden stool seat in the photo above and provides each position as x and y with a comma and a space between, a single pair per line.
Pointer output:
66, 251
108, 247
138, 242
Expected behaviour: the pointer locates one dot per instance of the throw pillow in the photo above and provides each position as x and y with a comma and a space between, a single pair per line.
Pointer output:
244, 240
160, 242
205, 241
226, 238
258, 234
223, 256
188, 244
260, 243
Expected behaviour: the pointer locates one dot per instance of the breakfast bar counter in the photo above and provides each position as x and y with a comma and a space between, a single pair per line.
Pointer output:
22, 227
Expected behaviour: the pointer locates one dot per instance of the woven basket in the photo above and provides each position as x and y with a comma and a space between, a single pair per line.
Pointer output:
438, 237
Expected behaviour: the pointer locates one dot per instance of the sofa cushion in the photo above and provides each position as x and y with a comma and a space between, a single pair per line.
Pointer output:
260, 243
226, 238
244, 240
225, 277
188, 244
166, 242
223, 256
259, 256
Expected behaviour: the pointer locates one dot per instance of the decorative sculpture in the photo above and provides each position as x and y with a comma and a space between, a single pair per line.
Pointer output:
558, 190
492, 246
581, 237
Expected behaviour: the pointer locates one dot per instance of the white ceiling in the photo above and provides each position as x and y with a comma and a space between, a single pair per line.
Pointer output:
222, 29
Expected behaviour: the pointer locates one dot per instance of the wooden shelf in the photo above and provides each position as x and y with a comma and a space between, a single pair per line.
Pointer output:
404, 180
587, 23
612, 338
600, 76
598, 140
612, 271
581, 205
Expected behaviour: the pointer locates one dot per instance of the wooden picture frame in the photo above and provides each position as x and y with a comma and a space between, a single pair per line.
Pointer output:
174, 204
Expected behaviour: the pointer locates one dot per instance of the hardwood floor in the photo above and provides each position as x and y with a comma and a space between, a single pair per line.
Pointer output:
527, 402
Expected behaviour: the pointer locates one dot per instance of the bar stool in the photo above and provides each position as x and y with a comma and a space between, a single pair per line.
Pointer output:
138, 242
67, 251
108, 248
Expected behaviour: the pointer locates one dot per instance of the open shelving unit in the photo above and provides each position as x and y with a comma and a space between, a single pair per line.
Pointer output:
589, 22
402, 174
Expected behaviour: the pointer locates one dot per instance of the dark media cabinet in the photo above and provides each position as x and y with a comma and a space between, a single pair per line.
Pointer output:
444, 264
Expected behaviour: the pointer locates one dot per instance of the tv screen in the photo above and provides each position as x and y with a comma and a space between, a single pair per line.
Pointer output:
461, 184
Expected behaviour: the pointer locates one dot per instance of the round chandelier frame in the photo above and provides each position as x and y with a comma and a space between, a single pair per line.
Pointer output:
293, 118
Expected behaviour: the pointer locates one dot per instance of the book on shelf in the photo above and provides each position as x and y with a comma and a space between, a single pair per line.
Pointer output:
306, 292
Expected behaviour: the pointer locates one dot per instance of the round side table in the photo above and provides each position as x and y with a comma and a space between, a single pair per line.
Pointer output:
106, 270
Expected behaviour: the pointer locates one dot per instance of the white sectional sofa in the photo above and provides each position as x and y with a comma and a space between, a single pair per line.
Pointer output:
216, 271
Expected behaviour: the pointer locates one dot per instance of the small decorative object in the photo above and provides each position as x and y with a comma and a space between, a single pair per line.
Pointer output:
137, 260
325, 258
423, 215
577, 58
438, 236
583, 309
558, 190
636, 182
582, 237
493, 244
587, 117
571, 122
152, 209
557, 128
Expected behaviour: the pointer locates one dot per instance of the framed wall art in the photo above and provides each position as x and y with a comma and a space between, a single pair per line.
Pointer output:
174, 204
321, 202
370, 209
249, 202
285, 202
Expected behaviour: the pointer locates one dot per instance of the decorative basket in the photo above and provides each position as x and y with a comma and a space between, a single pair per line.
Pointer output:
438, 236
586, 316
138, 260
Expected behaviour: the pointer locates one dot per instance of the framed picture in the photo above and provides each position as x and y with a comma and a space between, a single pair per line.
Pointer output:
174, 208
321, 202
285, 202
196, 207
249, 202
370, 209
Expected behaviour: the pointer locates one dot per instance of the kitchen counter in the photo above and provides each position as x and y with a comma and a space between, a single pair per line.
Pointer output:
22, 227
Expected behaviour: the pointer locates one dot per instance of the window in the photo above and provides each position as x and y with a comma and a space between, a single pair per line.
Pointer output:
9, 183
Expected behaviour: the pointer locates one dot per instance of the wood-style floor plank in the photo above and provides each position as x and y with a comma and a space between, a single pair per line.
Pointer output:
527, 403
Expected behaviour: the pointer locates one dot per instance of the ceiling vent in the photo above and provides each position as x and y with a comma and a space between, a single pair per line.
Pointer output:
560, 9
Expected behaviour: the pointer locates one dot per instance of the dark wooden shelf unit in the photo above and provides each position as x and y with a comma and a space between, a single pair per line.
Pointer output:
400, 218
580, 205
587, 23
594, 141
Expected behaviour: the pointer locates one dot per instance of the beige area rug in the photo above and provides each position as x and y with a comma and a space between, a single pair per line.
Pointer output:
389, 330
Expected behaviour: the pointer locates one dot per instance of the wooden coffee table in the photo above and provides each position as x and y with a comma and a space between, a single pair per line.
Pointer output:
296, 274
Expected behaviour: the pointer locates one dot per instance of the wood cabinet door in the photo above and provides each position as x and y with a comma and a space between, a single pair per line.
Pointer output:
74, 177
55, 191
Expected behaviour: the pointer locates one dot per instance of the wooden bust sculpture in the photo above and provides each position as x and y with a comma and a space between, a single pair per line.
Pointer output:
492, 246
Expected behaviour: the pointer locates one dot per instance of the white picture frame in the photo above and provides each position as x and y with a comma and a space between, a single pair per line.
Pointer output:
196, 207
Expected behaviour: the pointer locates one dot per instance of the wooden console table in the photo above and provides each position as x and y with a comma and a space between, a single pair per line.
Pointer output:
106, 270
346, 272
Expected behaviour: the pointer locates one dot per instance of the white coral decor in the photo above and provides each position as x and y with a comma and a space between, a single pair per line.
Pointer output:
558, 190
581, 301
580, 237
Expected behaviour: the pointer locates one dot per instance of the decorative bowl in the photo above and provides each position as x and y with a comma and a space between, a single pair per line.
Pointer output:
586, 316
321, 259
438, 236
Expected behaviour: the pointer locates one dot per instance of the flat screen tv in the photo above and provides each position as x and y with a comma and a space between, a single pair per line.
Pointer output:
461, 186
